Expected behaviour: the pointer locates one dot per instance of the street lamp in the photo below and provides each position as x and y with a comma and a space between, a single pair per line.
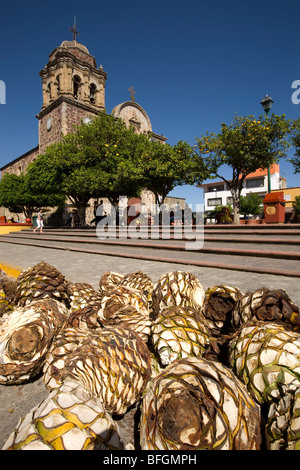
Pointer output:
266, 103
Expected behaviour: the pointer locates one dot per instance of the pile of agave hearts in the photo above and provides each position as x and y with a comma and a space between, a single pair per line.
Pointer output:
215, 369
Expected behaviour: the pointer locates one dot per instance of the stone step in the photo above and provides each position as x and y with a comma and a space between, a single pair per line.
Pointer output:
170, 232
282, 263
248, 237
276, 248
293, 228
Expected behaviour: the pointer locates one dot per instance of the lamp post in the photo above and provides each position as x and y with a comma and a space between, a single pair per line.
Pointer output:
266, 103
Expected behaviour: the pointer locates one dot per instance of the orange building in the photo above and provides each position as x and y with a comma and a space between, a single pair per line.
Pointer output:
256, 174
289, 196
218, 192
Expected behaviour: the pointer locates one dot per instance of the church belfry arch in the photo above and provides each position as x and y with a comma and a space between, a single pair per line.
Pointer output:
93, 91
76, 86
73, 89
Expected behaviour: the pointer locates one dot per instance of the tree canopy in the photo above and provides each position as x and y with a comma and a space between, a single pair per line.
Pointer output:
296, 205
96, 160
246, 145
251, 204
106, 159
295, 139
16, 194
165, 166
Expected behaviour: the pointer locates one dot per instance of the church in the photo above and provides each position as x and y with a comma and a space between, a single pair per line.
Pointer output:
73, 90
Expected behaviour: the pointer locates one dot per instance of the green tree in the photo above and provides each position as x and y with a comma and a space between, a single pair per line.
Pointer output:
246, 145
121, 172
97, 160
295, 140
296, 205
250, 204
16, 194
165, 166
58, 171
107, 159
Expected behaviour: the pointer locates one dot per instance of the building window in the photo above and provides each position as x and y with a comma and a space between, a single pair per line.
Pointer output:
219, 187
255, 183
214, 202
92, 93
229, 200
76, 85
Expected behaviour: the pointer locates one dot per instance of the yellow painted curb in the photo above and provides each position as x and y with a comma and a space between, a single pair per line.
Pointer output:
5, 229
11, 270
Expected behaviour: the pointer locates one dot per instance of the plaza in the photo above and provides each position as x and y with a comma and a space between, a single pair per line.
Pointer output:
188, 69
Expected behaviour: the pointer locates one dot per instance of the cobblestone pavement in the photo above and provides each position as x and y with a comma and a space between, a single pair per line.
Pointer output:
85, 267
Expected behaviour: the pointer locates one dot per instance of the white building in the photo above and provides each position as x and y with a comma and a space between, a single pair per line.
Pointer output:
217, 193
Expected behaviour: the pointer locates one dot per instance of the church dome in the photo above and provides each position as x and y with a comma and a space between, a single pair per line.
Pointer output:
72, 44
133, 114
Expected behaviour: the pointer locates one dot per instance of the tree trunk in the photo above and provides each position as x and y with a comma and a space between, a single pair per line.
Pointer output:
236, 206
236, 215
81, 209
81, 213
28, 212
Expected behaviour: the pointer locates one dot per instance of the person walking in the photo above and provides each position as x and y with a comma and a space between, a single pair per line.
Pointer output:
39, 221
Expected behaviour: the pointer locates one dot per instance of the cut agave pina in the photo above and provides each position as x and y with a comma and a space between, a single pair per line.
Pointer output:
109, 281
113, 363
179, 332
83, 295
121, 297
266, 357
26, 335
70, 418
196, 404
283, 422
177, 288
42, 281
266, 304
140, 281
218, 306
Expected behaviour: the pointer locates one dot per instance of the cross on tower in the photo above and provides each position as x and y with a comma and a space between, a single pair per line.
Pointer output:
74, 30
132, 93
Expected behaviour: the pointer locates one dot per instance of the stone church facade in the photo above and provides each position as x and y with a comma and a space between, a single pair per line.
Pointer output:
73, 89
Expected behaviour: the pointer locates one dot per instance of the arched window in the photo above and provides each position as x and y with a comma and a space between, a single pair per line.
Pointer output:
92, 93
58, 83
76, 85
49, 90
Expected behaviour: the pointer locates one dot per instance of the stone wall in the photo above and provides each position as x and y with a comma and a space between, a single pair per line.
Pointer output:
60, 120
46, 136
20, 164
73, 115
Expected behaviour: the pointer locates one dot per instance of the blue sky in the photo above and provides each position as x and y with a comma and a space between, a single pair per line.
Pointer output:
192, 63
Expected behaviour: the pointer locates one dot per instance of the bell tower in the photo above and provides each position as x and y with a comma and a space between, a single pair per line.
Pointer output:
73, 91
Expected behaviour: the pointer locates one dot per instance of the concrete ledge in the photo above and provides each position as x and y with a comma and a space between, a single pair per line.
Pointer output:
7, 227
